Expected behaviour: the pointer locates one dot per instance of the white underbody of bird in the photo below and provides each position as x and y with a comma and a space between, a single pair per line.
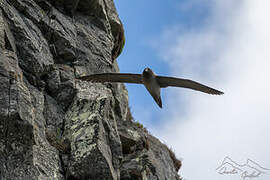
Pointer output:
152, 82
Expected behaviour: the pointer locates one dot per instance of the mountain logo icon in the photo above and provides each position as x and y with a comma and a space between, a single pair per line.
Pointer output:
249, 170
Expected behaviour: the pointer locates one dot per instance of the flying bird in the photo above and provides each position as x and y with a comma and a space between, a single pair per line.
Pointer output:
151, 81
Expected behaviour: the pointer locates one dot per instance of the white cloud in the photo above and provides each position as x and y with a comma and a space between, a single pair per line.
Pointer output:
230, 51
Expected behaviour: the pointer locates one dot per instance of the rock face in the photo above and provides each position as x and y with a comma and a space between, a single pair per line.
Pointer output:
53, 127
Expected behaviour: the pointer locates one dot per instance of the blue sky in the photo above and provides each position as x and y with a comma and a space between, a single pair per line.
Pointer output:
224, 44
144, 22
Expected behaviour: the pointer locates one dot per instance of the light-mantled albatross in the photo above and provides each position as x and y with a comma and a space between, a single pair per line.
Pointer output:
151, 81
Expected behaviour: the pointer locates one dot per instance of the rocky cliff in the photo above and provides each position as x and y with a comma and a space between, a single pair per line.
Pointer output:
53, 127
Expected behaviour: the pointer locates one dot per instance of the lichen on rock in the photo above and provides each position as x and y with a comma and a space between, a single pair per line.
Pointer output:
53, 127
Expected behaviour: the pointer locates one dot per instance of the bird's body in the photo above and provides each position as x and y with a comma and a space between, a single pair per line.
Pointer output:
151, 82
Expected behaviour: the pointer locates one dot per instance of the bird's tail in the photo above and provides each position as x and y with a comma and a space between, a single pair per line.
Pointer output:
158, 101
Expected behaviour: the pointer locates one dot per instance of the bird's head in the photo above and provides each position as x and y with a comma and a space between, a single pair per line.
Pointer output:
147, 72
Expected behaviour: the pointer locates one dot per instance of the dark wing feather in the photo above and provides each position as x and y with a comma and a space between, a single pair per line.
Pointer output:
113, 77
186, 83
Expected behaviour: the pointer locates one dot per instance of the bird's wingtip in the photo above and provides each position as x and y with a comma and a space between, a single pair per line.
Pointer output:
82, 78
218, 93
221, 93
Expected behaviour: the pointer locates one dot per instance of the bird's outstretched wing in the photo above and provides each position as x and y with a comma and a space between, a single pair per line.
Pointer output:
113, 77
186, 83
